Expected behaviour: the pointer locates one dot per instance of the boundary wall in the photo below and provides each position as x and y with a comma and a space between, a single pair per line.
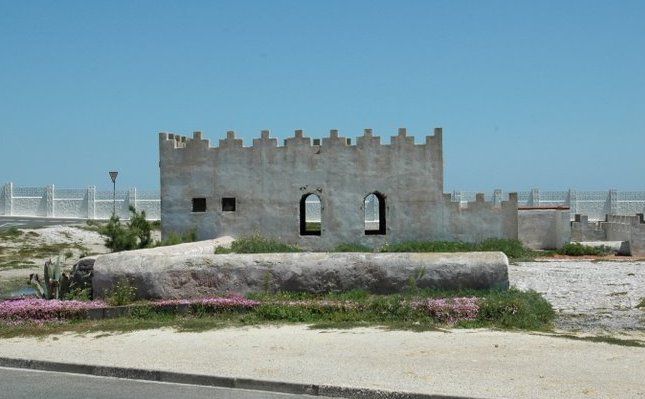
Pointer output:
85, 203
613, 228
594, 204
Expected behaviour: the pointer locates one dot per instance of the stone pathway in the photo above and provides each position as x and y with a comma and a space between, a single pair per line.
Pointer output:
590, 296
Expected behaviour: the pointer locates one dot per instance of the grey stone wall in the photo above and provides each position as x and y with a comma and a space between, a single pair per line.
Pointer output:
268, 182
544, 228
614, 228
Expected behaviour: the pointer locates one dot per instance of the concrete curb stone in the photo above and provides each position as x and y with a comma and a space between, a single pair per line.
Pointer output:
217, 381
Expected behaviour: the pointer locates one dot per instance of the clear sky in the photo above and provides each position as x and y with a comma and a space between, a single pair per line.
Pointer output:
547, 94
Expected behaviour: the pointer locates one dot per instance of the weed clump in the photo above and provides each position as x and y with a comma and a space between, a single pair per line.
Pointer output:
352, 247
577, 249
175, 238
123, 293
256, 244
512, 248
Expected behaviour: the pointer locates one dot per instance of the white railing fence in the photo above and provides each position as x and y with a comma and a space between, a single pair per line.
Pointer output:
88, 203
85, 203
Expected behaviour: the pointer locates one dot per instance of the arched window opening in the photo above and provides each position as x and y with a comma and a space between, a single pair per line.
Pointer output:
310, 215
374, 207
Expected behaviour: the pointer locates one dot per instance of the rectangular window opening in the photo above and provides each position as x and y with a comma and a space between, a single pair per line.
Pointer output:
228, 204
199, 204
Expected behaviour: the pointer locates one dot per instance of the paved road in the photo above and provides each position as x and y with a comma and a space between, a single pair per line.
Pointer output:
30, 384
33, 222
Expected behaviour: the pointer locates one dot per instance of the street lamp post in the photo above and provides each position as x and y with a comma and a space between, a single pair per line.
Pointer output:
113, 176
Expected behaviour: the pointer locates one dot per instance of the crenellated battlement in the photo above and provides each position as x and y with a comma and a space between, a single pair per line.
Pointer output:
299, 140
222, 187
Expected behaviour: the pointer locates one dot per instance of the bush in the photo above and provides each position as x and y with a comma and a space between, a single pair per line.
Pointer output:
123, 293
256, 244
135, 234
577, 249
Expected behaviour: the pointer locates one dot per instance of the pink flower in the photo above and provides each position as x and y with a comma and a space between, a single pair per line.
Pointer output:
39, 311
449, 310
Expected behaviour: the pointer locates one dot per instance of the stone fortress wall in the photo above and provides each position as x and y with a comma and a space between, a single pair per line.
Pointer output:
235, 190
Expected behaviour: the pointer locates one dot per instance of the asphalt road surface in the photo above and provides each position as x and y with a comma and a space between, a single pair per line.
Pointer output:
32, 384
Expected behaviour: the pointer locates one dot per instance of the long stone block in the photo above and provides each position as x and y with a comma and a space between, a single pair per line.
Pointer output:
165, 275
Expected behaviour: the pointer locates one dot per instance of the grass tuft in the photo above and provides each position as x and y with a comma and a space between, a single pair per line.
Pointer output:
577, 249
352, 247
512, 248
256, 244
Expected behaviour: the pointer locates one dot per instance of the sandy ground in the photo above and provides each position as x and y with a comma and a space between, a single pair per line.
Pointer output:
479, 363
73, 236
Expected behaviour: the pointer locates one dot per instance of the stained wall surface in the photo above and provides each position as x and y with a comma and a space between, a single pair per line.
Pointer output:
269, 181
543, 228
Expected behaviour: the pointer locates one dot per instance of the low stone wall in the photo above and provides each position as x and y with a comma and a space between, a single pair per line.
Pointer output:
544, 228
186, 275
614, 228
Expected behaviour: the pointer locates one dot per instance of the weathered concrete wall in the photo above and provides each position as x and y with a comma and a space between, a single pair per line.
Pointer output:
268, 183
544, 228
614, 228
584, 230
194, 275
478, 220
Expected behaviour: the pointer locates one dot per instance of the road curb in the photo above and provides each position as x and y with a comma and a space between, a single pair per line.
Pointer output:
217, 381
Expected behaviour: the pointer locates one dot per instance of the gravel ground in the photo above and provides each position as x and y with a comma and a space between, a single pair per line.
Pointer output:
589, 296
79, 240
479, 363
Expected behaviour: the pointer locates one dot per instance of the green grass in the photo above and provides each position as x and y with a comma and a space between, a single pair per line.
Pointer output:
604, 339
16, 264
508, 310
47, 250
10, 234
256, 244
512, 248
641, 304
174, 238
577, 249
352, 247
313, 226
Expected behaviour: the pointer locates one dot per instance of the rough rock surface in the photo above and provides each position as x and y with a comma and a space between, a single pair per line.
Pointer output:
170, 273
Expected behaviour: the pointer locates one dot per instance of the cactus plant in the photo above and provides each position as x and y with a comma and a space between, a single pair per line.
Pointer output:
55, 283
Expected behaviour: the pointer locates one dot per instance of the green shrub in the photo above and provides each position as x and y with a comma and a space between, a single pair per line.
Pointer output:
577, 249
133, 235
123, 293
256, 244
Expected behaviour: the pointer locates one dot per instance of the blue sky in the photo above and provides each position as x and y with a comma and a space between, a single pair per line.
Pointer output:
530, 94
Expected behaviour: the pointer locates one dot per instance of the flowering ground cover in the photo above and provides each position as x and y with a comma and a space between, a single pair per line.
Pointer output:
40, 311
419, 310
449, 310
